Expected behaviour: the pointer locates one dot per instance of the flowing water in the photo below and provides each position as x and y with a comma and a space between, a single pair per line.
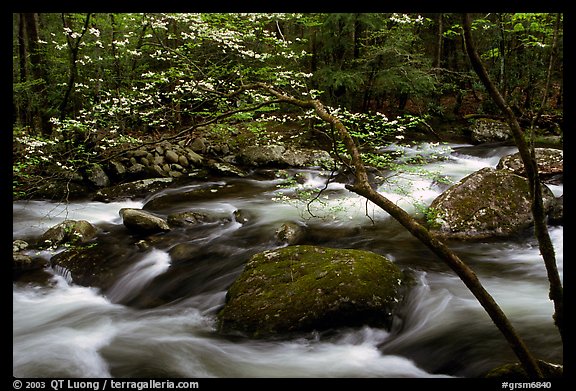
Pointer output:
156, 318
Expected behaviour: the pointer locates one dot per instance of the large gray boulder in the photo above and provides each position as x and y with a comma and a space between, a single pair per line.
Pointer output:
487, 203
305, 288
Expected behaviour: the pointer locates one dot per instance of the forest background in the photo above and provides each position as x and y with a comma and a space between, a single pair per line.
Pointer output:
88, 84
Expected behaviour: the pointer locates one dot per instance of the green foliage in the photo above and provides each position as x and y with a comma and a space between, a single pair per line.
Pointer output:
433, 217
363, 58
372, 132
162, 72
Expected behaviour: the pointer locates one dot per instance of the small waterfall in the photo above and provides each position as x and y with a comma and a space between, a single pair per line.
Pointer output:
139, 275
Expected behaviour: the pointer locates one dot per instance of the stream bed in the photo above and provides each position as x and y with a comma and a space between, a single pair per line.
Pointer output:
156, 317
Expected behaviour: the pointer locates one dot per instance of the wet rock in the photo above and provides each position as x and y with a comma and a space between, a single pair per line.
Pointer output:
187, 218
135, 189
290, 233
226, 169
25, 264
94, 265
550, 163
280, 156
305, 288
184, 252
487, 203
59, 190
201, 193
244, 216
556, 216
68, 231
141, 221
263, 155
19, 245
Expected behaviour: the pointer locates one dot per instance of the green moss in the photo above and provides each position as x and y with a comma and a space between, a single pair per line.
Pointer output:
301, 288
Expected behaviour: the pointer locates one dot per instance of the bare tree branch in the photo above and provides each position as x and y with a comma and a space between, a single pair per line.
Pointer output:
527, 155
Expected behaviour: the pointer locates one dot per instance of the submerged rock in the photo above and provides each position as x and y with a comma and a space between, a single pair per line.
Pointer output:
139, 188
290, 233
187, 218
305, 288
95, 265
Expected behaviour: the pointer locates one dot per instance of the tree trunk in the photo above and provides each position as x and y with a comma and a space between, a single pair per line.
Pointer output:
529, 160
551, 62
116, 58
22, 49
23, 108
439, 39
501, 52
74, 47
36, 110
357, 33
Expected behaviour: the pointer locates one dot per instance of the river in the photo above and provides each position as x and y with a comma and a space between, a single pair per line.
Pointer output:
157, 317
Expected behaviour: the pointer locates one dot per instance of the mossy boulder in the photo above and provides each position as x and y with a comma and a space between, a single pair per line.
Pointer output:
305, 288
68, 231
485, 204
